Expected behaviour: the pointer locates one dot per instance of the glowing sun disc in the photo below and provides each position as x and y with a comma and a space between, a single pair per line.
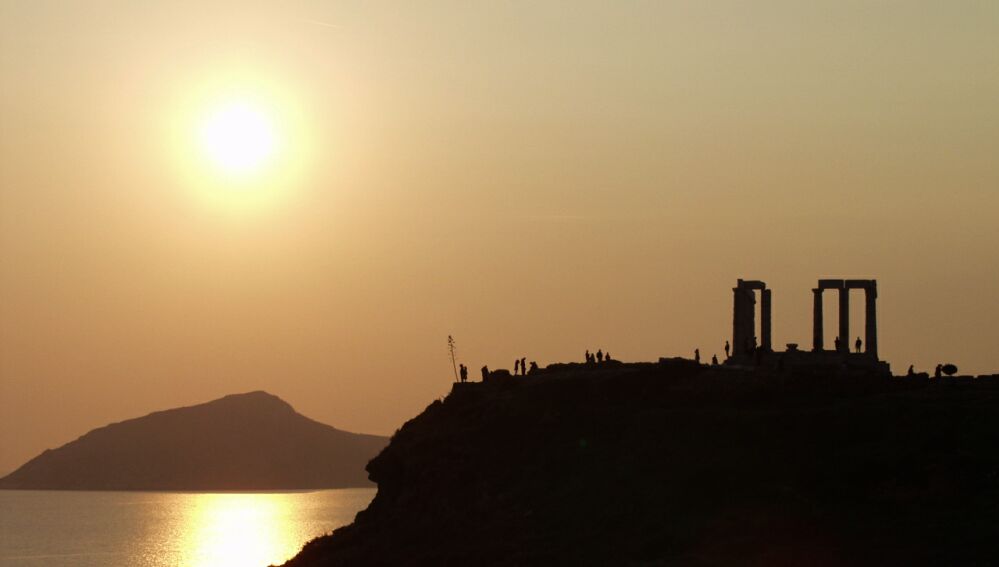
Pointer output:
238, 139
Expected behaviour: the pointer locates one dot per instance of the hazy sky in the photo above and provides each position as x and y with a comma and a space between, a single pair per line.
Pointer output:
534, 178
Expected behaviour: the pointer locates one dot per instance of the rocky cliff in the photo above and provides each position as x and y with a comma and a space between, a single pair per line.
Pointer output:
682, 464
251, 441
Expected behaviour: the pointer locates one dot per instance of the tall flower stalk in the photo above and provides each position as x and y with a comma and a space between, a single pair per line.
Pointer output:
450, 349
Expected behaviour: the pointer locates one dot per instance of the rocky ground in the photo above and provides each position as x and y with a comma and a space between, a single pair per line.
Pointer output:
683, 464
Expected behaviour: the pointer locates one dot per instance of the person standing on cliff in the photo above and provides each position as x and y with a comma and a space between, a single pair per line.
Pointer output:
523, 366
600, 355
464, 374
485, 373
858, 344
728, 347
589, 357
697, 355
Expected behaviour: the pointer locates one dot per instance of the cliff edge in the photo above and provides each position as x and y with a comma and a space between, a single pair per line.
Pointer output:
683, 464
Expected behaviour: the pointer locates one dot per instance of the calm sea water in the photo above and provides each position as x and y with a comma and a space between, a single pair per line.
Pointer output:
167, 529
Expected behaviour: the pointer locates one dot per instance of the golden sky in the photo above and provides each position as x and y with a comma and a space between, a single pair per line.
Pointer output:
535, 178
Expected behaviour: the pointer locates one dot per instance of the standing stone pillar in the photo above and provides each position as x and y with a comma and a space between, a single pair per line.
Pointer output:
817, 323
871, 320
765, 320
844, 320
743, 320
738, 298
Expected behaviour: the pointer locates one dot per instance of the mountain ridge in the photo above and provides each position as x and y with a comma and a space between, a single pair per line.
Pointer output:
246, 441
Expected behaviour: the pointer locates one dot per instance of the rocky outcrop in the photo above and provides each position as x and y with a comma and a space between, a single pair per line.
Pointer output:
251, 441
682, 464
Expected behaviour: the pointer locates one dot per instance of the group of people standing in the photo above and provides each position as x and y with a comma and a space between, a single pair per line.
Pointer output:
520, 367
838, 344
600, 356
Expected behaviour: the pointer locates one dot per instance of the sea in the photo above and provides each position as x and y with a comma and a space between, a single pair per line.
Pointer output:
167, 529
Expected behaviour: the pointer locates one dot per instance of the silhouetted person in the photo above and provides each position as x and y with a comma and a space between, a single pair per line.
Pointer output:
838, 344
697, 355
858, 344
600, 355
939, 369
589, 357
534, 367
516, 366
464, 374
607, 357
910, 372
523, 366
727, 349
714, 360
485, 373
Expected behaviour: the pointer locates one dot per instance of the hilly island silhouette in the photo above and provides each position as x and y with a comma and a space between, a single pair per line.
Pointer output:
793, 457
252, 441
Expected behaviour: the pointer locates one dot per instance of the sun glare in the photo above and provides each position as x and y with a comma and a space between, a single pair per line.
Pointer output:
238, 530
241, 142
239, 139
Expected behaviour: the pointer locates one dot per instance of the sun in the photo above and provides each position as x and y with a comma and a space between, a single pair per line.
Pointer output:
239, 139
241, 142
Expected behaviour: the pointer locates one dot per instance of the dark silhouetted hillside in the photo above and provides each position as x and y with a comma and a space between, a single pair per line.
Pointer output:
251, 441
680, 464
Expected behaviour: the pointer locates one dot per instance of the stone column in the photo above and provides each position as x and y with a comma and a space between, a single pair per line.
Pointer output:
871, 320
817, 323
743, 320
737, 326
765, 320
844, 320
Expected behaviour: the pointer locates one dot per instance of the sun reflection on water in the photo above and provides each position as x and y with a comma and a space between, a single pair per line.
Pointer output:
167, 529
244, 530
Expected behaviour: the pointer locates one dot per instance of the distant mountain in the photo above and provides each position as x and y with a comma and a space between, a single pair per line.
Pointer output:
253, 441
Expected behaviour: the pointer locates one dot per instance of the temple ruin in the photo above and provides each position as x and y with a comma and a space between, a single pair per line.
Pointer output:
748, 348
744, 323
870, 288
